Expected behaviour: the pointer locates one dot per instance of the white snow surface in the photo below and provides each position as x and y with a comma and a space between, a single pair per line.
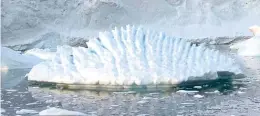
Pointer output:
129, 55
11, 59
60, 112
48, 23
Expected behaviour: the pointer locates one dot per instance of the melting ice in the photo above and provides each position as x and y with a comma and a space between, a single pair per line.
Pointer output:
133, 55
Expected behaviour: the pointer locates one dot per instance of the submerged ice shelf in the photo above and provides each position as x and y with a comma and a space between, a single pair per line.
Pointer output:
133, 55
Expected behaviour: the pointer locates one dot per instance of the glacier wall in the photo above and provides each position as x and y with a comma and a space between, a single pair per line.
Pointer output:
129, 55
47, 23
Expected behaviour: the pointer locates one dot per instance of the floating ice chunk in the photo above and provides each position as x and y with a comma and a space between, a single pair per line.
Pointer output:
240, 92
60, 112
197, 87
11, 59
44, 54
142, 102
26, 111
198, 96
2, 110
133, 55
187, 91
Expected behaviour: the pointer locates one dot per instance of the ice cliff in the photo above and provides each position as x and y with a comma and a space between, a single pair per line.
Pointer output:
129, 55
28, 24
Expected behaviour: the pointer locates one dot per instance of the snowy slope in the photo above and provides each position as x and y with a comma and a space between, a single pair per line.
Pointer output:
47, 23
130, 55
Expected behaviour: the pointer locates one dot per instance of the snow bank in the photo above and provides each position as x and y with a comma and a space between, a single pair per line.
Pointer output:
131, 55
11, 59
60, 112
53, 22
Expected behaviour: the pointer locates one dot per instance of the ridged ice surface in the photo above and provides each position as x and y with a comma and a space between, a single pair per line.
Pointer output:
129, 55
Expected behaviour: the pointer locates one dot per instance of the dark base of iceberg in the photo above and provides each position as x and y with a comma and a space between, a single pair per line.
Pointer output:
225, 80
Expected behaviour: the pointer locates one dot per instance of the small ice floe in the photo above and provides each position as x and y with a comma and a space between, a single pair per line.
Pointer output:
2, 110
114, 105
11, 90
154, 93
92, 113
213, 92
57, 111
198, 96
26, 111
187, 91
147, 98
127, 92
142, 102
52, 101
197, 87
142, 115
243, 88
32, 103
187, 103
241, 92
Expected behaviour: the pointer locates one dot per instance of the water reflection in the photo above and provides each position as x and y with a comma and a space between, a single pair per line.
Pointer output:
16, 95
225, 84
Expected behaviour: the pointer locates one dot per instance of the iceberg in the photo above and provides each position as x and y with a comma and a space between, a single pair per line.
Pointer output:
133, 55
11, 59
249, 47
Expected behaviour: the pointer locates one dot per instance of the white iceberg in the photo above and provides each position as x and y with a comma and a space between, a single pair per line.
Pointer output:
11, 59
133, 55
250, 47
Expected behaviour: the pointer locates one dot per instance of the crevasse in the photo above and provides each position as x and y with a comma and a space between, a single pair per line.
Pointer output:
133, 55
